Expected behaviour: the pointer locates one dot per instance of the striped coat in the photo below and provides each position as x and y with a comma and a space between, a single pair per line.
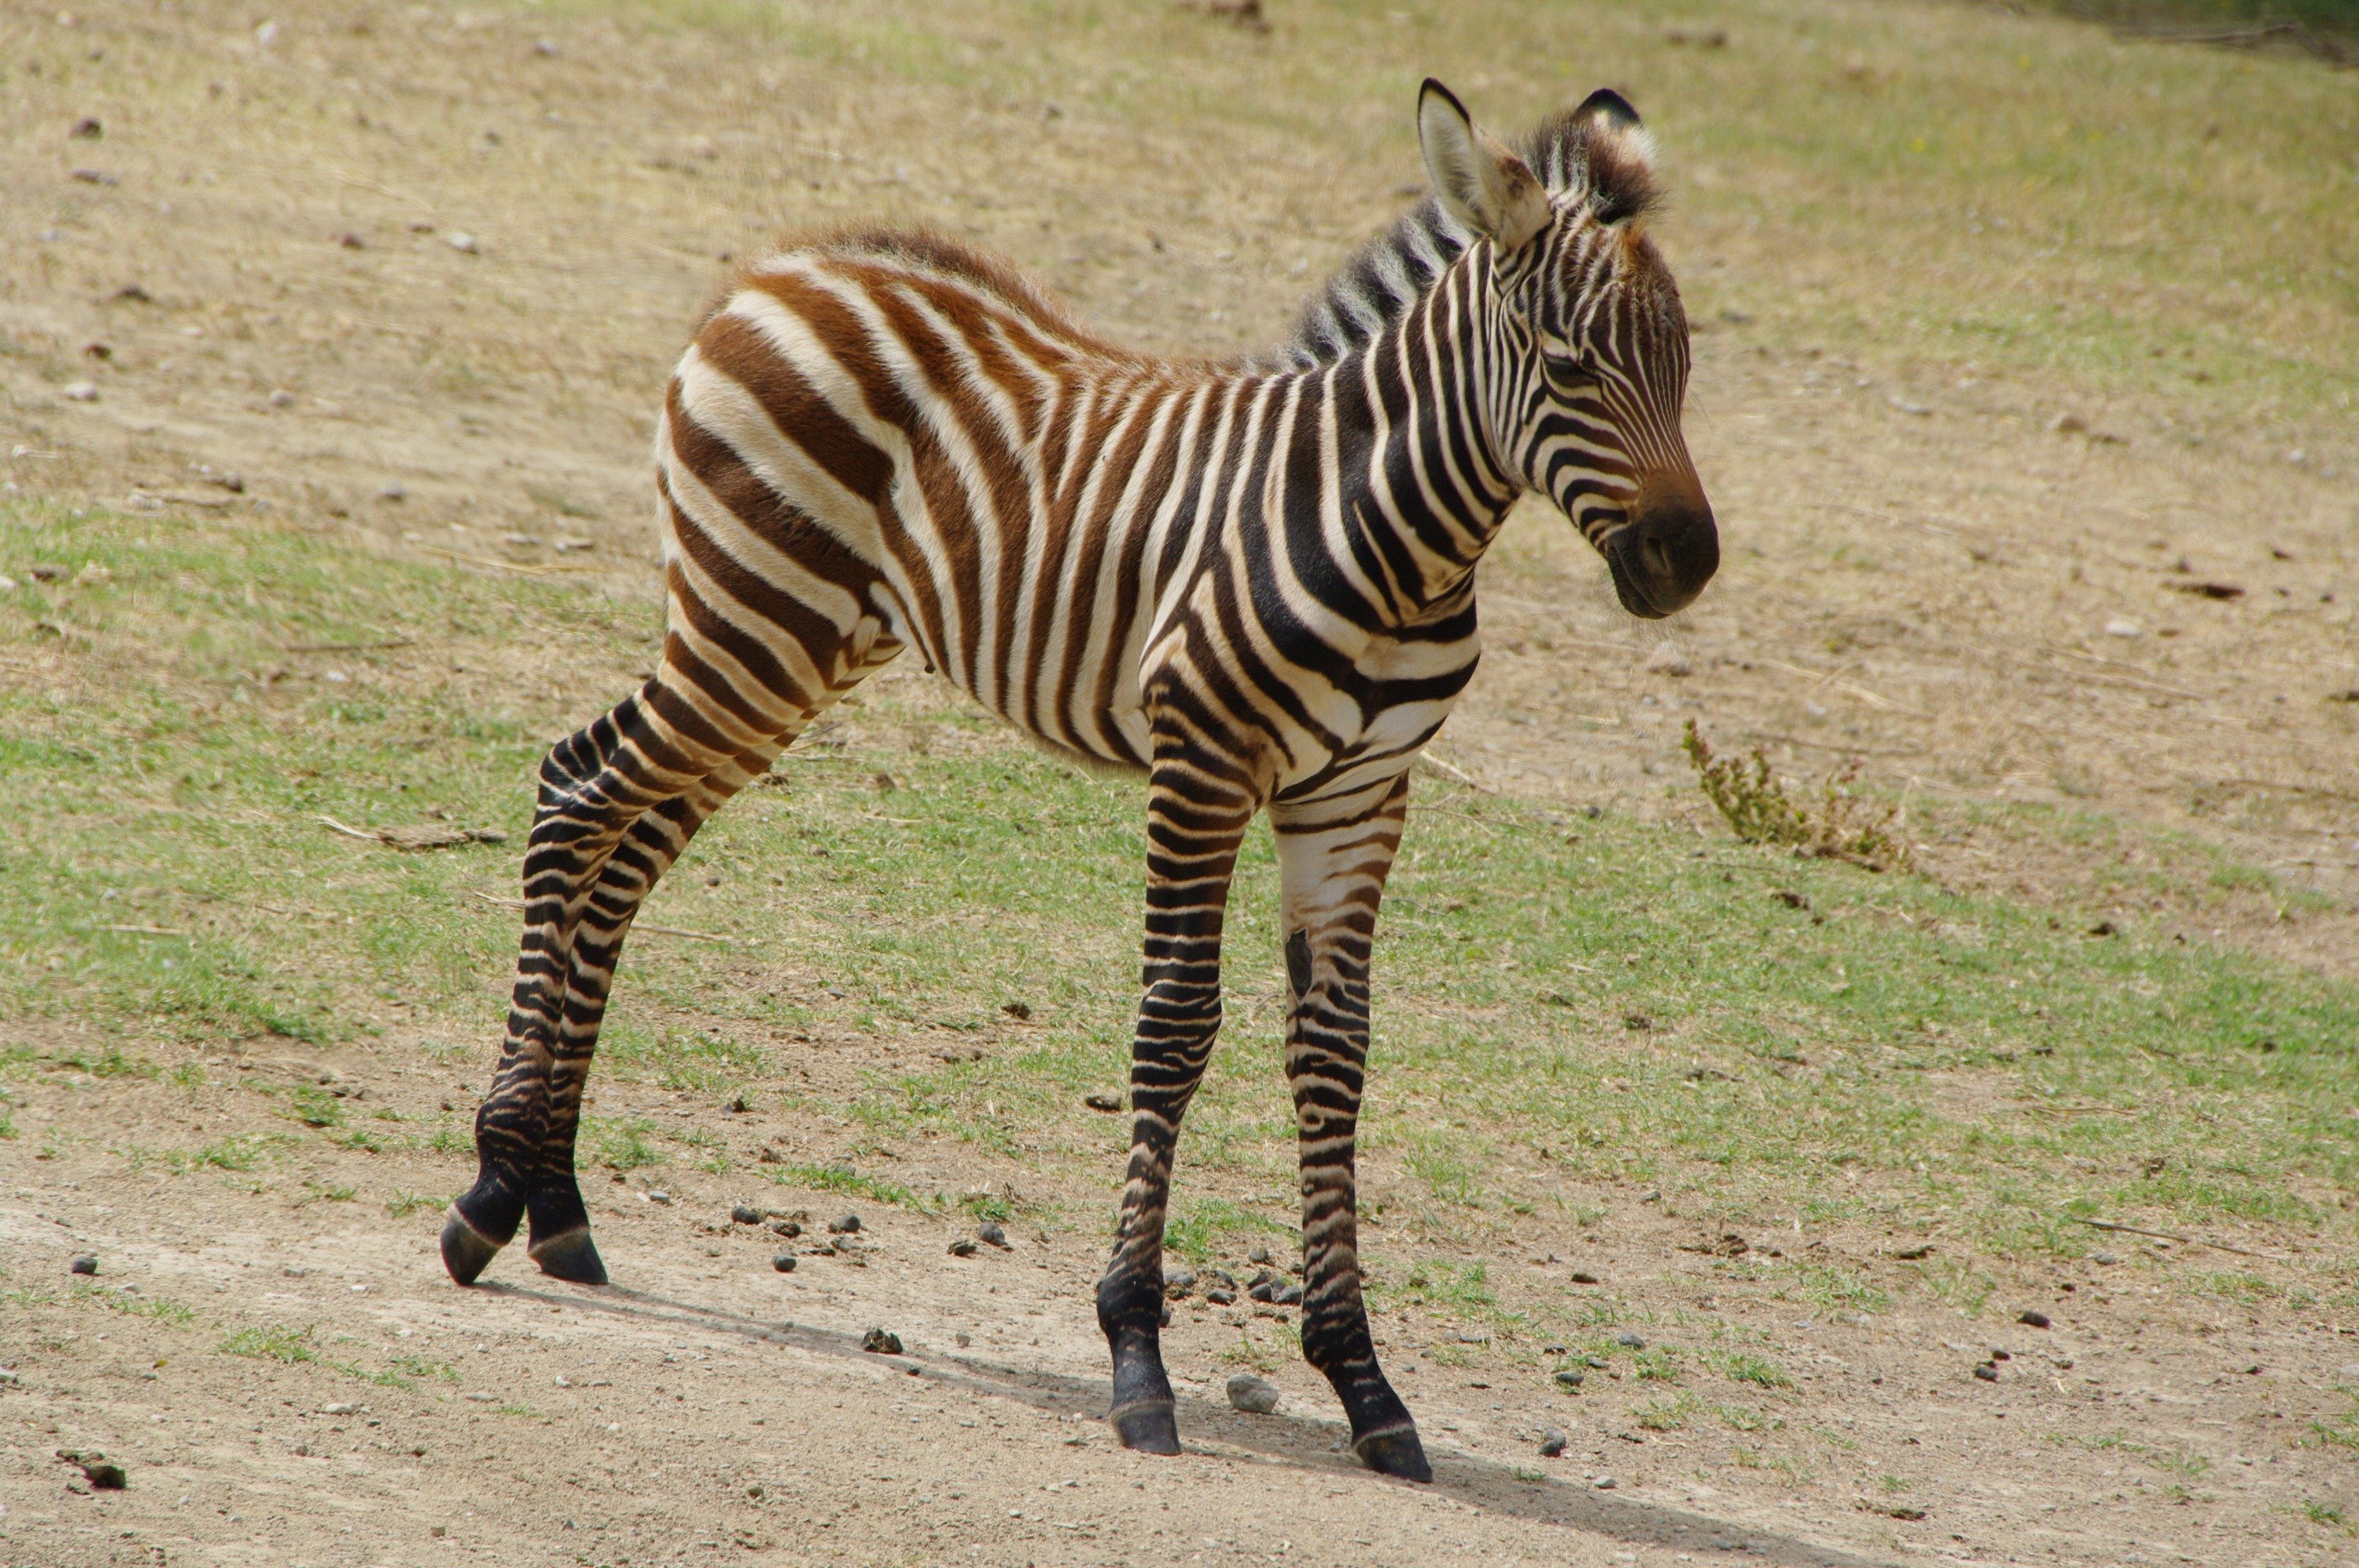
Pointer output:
1253, 583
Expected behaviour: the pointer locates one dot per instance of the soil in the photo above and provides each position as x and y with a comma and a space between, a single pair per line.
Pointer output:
1920, 571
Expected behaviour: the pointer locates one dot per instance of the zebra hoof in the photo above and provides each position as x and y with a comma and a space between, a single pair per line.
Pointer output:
466, 1252
572, 1256
1394, 1452
1149, 1428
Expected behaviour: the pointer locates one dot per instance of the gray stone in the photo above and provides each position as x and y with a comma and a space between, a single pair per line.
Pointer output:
1552, 1442
1629, 1341
745, 1214
85, 1264
1252, 1395
784, 1262
844, 1226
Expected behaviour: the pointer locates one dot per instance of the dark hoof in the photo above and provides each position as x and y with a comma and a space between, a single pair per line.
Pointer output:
1394, 1452
466, 1252
569, 1255
1149, 1428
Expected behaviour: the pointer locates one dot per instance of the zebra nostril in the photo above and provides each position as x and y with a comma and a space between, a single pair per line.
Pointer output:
1658, 558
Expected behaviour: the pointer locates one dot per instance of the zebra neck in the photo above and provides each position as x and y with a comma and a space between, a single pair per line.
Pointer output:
1420, 479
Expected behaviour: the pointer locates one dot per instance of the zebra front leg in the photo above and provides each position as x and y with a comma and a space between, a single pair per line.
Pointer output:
1195, 821
1333, 856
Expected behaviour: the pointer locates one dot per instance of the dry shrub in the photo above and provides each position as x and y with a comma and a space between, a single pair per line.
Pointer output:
1839, 826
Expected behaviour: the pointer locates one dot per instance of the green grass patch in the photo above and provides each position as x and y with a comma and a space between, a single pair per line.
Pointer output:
272, 1342
1909, 1057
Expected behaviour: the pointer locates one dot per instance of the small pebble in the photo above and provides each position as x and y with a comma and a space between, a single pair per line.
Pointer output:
79, 391
745, 1214
1552, 1442
1102, 1101
991, 1233
460, 240
1986, 1373
655, 1197
2036, 1319
342, 1408
881, 1342
1220, 1296
1571, 1377
1288, 1294
844, 1226
784, 1262
1580, 1278
85, 1264
351, 241
1629, 1341
788, 1229
282, 398
1179, 1282
2101, 1255
1252, 1395
1258, 1255
1603, 1483
962, 1247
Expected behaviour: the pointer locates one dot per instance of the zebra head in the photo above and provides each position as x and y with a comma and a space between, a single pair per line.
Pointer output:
1591, 342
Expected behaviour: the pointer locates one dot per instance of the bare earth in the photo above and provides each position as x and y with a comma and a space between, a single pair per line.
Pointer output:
1920, 570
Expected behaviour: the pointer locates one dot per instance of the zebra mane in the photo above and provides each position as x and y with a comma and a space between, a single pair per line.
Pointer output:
1579, 154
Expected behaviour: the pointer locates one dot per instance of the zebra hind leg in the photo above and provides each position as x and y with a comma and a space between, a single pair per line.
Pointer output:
1332, 860
1194, 826
599, 788
560, 1221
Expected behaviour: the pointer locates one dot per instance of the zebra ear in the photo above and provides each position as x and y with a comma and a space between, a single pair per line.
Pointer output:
1621, 157
1478, 181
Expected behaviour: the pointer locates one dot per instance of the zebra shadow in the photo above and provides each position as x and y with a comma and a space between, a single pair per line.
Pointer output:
1298, 1442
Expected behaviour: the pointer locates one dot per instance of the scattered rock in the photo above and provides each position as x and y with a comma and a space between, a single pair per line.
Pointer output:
2200, 588
1998, 1355
1571, 1377
881, 1342
79, 391
345, 1408
655, 1197
2069, 424
991, 1234
85, 1264
1179, 1282
2034, 1319
351, 241
1603, 1483
88, 128
745, 1214
1583, 1277
1629, 1341
1552, 1442
1669, 660
1911, 1254
784, 1262
787, 1227
1102, 1100
104, 1473
962, 1247
460, 240
1986, 1373
1221, 1295
1285, 1293
282, 398
2123, 626
1019, 1010
844, 1226
2102, 1256
1252, 1394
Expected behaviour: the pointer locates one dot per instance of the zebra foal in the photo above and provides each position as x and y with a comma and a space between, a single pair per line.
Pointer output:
1252, 583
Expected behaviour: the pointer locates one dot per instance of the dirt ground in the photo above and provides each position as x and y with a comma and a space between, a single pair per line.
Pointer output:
1923, 570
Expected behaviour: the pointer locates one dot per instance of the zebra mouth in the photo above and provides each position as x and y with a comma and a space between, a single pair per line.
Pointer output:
1625, 585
